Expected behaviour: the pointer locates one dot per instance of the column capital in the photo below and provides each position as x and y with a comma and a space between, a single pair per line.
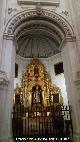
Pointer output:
70, 48
67, 40
8, 36
70, 39
3, 79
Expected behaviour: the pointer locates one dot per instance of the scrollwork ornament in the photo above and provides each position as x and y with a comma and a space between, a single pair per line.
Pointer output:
36, 76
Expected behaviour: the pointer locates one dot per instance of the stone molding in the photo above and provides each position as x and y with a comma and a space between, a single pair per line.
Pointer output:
66, 40
49, 22
8, 36
40, 25
3, 79
21, 16
42, 2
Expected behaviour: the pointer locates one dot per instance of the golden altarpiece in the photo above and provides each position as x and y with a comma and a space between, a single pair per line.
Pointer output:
36, 87
35, 102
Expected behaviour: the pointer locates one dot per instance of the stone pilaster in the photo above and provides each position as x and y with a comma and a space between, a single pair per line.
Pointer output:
71, 69
6, 89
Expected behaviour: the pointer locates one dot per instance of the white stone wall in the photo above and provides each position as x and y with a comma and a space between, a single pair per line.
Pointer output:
0, 10
58, 80
73, 8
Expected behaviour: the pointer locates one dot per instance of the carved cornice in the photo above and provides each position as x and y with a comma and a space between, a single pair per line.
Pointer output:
43, 2
3, 79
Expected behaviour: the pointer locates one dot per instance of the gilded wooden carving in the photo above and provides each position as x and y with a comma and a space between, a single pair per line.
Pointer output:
36, 86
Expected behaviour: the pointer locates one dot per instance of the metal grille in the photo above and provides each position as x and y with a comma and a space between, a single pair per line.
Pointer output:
41, 123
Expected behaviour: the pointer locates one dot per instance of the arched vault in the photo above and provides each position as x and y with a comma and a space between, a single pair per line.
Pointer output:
44, 29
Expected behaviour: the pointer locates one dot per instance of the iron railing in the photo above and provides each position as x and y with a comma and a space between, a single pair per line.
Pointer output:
50, 122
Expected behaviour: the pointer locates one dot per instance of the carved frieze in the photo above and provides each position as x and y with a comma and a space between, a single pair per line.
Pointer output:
15, 22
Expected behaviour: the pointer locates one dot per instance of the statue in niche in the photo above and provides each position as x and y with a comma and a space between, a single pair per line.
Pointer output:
36, 95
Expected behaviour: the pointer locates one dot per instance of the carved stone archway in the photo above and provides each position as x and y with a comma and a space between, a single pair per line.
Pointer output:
53, 22
49, 24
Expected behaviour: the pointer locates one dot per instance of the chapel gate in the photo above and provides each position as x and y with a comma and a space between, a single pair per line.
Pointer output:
50, 123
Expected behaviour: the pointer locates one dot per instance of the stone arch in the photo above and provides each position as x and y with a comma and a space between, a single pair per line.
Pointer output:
52, 18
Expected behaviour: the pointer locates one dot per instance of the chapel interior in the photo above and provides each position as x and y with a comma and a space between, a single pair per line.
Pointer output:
39, 70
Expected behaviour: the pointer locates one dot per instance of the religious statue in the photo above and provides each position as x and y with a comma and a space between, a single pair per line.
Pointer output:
36, 95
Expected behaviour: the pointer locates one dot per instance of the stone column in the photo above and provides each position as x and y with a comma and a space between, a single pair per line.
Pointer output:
3, 12
72, 78
6, 90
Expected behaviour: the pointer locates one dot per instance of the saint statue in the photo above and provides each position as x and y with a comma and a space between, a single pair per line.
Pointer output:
36, 92
36, 95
